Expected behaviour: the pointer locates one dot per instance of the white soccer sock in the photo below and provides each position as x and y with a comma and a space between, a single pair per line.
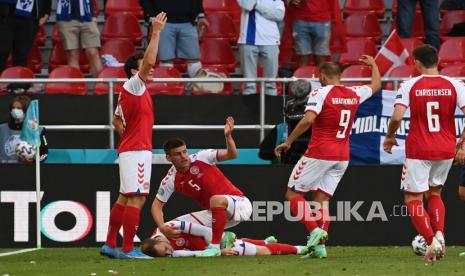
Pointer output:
167, 64
193, 68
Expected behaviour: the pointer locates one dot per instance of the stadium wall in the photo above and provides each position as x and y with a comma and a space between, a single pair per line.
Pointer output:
367, 206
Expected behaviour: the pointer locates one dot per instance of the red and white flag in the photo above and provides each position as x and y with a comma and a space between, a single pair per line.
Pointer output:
391, 54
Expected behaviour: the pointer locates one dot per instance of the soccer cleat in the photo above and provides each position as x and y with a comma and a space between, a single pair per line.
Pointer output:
228, 239
317, 252
210, 251
302, 249
440, 237
135, 253
108, 251
432, 251
271, 239
316, 236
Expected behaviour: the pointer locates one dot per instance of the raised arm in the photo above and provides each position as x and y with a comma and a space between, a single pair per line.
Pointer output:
151, 52
375, 84
301, 127
231, 151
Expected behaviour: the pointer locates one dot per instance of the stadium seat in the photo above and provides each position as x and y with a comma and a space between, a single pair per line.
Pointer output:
457, 70
217, 6
448, 20
34, 59
58, 58
167, 88
452, 52
375, 7
130, 6
410, 44
220, 27
363, 25
56, 38
307, 72
217, 53
122, 26
110, 72
356, 47
356, 71
236, 14
228, 86
16, 72
41, 36
403, 71
121, 49
66, 88
418, 30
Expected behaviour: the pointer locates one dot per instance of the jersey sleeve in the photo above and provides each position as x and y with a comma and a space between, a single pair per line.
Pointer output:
135, 85
207, 156
315, 101
402, 96
166, 187
194, 229
460, 89
364, 92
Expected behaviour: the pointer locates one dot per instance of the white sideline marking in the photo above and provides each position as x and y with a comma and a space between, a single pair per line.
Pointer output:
18, 252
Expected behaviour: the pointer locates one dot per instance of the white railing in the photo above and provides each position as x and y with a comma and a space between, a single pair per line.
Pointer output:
110, 81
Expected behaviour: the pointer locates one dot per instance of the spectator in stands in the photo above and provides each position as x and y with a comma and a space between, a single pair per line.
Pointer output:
10, 132
430, 12
78, 29
19, 23
179, 38
311, 29
259, 36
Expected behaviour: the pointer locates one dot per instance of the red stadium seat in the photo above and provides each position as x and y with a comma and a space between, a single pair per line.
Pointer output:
418, 30
216, 6
228, 86
168, 88
410, 44
220, 27
122, 26
450, 18
56, 38
121, 49
66, 88
457, 70
58, 58
41, 36
356, 48
403, 71
363, 25
356, 71
375, 7
110, 72
236, 14
16, 72
34, 59
217, 53
452, 52
307, 72
130, 6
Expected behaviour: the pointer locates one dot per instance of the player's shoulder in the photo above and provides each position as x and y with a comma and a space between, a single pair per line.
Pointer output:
202, 155
170, 175
454, 81
321, 91
407, 84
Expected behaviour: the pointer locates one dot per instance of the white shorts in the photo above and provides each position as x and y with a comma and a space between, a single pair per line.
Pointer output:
419, 175
310, 175
135, 169
239, 209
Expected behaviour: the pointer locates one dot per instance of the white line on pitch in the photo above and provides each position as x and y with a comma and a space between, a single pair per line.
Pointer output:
18, 252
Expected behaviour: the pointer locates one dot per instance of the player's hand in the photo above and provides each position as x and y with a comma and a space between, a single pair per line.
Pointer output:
368, 60
228, 252
170, 232
229, 126
389, 142
158, 22
280, 148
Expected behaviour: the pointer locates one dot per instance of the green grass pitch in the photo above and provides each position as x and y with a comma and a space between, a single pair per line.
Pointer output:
340, 261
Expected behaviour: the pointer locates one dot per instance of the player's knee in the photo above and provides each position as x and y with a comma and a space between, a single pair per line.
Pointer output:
218, 201
410, 196
291, 194
136, 201
462, 193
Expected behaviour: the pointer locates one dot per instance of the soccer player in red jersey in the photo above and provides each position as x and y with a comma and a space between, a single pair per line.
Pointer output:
430, 145
198, 177
194, 238
133, 120
330, 111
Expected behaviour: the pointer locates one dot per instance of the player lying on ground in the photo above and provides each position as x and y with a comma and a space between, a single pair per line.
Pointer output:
330, 112
198, 177
194, 238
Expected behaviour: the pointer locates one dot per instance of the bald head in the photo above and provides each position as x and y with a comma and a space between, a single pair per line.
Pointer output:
330, 73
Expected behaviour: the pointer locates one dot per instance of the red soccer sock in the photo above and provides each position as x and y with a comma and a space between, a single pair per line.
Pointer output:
420, 219
324, 221
116, 220
130, 225
298, 203
281, 249
218, 222
437, 212
256, 242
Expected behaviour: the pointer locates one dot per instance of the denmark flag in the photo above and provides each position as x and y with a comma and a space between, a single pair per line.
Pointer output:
392, 54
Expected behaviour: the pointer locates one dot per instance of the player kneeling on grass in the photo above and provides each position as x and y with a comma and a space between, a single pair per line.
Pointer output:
330, 111
198, 177
193, 238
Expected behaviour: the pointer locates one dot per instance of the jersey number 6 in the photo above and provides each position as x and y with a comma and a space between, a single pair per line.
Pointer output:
433, 119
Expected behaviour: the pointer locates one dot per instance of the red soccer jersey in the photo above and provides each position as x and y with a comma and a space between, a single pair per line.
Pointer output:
202, 181
432, 101
136, 111
335, 107
313, 11
184, 241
